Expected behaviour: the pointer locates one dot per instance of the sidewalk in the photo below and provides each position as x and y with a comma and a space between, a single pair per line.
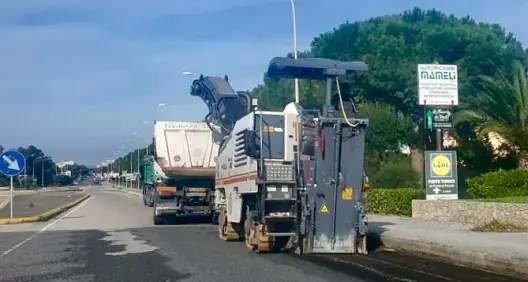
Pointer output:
496, 252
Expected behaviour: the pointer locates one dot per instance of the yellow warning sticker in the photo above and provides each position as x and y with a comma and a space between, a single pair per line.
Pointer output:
347, 193
324, 209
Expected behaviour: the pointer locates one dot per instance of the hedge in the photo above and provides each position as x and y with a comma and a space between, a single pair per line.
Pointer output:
498, 184
396, 201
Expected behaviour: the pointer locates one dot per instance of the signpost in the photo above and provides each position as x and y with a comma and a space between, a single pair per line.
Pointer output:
438, 118
438, 93
441, 180
12, 163
437, 85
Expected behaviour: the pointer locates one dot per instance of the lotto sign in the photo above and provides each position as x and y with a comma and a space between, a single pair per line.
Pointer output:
441, 180
437, 85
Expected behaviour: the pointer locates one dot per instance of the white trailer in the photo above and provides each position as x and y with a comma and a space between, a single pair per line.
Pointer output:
179, 177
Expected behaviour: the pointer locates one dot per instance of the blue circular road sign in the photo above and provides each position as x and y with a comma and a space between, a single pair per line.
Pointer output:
12, 163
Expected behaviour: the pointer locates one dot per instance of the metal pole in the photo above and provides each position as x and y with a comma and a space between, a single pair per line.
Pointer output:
118, 173
11, 196
137, 176
131, 168
439, 140
438, 131
42, 172
294, 22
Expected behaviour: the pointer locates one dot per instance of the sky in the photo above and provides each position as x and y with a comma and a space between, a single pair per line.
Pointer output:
78, 78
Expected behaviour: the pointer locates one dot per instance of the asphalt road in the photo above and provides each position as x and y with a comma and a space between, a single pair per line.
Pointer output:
37, 203
110, 237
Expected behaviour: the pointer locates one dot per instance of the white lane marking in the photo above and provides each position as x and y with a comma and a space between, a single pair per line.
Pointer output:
373, 270
410, 269
45, 228
119, 193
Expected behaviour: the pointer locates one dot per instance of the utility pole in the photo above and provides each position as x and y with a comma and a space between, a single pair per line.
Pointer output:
138, 173
131, 169
42, 173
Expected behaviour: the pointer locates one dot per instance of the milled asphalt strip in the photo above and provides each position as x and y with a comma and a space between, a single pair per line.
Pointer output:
45, 228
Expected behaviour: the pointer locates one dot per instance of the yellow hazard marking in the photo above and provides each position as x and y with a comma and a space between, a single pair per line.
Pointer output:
268, 128
347, 194
324, 209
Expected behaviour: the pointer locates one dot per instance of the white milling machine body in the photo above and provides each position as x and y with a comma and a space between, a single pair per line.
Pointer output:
262, 194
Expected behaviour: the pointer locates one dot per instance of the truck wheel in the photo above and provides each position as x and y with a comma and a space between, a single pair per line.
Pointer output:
157, 220
214, 218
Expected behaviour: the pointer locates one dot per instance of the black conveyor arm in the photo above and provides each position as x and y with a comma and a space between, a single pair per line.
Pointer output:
225, 105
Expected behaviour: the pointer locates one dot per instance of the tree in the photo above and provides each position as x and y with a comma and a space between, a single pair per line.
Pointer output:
392, 46
79, 171
501, 108
388, 129
130, 160
40, 168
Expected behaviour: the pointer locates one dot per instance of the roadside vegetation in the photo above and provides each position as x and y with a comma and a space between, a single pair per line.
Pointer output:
41, 170
497, 226
493, 87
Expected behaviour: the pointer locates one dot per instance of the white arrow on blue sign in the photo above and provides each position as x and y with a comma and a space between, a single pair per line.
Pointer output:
12, 163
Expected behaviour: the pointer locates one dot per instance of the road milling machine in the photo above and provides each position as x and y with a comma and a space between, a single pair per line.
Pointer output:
290, 180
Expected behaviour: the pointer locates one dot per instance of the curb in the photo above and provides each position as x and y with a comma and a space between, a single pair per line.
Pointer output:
44, 216
26, 192
513, 267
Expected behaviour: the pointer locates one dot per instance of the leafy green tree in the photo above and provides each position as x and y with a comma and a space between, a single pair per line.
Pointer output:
64, 180
130, 160
394, 170
392, 46
40, 168
388, 129
502, 108
78, 170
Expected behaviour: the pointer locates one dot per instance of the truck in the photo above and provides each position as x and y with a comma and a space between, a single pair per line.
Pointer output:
179, 173
290, 180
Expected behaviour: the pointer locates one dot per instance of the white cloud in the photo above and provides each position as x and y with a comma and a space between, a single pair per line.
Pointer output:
89, 80
61, 79
121, 10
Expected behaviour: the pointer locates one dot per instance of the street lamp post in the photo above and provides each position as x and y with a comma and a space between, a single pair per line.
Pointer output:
148, 143
138, 173
294, 23
138, 150
119, 172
